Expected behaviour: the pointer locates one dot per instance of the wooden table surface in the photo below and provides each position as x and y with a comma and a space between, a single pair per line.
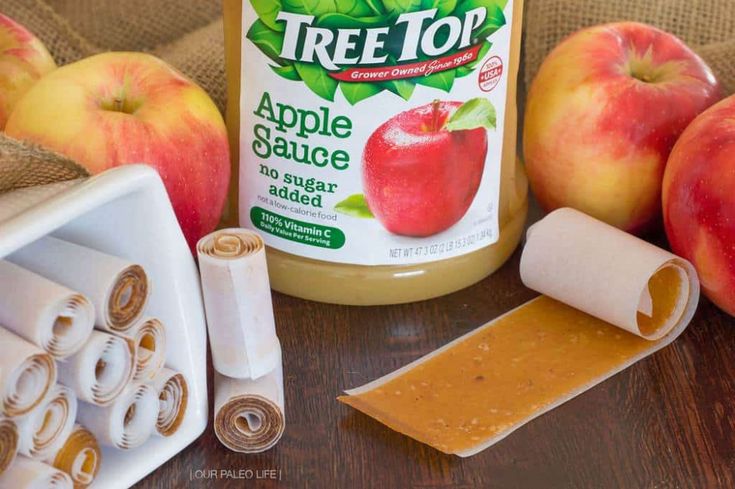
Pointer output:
667, 422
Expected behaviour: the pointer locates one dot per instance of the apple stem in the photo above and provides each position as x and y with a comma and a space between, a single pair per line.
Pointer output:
118, 104
436, 115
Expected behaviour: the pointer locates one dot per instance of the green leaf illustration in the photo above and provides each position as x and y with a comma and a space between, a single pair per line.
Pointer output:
268, 41
267, 11
357, 92
495, 16
470, 68
402, 88
473, 114
342, 21
444, 7
443, 80
402, 6
318, 80
355, 206
288, 72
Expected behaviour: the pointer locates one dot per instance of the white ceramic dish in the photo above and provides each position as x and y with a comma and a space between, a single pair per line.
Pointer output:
126, 212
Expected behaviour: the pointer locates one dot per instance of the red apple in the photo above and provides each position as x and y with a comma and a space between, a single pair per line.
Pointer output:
23, 60
420, 179
115, 109
602, 115
699, 201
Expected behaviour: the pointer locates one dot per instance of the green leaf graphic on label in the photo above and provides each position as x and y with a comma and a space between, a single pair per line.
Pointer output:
442, 81
318, 80
355, 206
342, 21
402, 88
357, 8
471, 67
402, 6
444, 7
473, 114
495, 16
357, 92
269, 41
288, 72
268, 10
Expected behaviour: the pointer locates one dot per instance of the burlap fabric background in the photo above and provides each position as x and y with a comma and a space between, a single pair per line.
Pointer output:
188, 34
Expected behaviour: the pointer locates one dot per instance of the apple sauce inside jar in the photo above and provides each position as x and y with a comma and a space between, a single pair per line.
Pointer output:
426, 195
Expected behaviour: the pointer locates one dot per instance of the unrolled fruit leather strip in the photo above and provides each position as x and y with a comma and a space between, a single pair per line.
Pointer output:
80, 457
149, 338
249, 414
46, 428
173, 399
26, 375
9, 440
478, 389
128, 422
238, 303
99, 372
49, 315
26, 473
118, 289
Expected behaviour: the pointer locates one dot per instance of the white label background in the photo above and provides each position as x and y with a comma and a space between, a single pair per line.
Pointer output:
368, 242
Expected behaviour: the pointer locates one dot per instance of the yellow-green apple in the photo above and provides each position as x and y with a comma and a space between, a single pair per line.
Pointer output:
699, 200
602, 115
23, 60
114, 109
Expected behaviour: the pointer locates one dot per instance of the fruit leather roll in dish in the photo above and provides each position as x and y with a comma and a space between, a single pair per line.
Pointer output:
46, 428
80, 457
610, 300
117, 288
26, 374
9, 440
128, 422
43, 312
26, 473
101, 370
249, 414
149, 338
173, 399
238, 303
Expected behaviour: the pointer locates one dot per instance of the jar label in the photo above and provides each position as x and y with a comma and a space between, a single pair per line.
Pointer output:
372, 130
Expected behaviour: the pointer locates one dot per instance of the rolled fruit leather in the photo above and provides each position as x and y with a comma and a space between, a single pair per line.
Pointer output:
100, 371
327, 244
44, 430
27, 373
249, 414
622, 300
9, 439
26, 473
49, 315
238, 304
173, 399
80, 456
118, 289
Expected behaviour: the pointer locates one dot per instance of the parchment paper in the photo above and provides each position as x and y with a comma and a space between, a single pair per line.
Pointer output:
117, 288
598, 269
49, 315
149, 338
249, 414
238, 303
173, 399
26, 473
9, 439
44, 430
128, 422
101, 370
80, 457
26, 374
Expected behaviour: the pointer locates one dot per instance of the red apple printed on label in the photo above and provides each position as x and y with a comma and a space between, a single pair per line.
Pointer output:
422, 168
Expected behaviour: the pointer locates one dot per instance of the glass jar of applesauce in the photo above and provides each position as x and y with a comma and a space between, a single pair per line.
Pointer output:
375, 143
